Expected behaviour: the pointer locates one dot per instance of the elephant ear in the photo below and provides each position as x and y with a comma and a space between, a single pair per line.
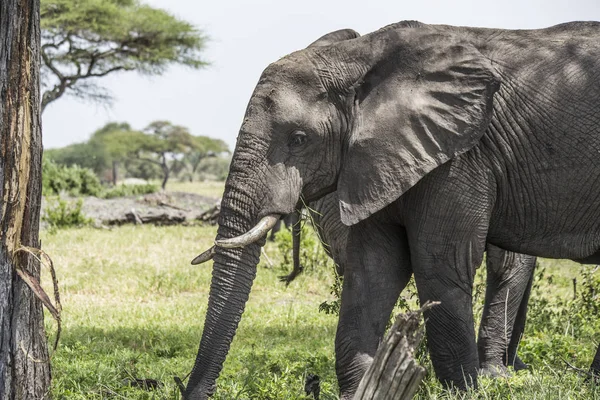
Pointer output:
334, 37
425, 99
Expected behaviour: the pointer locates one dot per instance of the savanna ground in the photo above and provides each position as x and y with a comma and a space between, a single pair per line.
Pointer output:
134, 308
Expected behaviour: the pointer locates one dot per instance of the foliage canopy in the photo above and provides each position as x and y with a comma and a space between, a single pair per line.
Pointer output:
87, 39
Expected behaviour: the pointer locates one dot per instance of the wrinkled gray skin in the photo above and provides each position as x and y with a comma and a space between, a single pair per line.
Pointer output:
509, 278
437, 139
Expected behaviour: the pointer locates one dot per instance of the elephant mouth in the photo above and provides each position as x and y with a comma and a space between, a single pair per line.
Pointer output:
259, 231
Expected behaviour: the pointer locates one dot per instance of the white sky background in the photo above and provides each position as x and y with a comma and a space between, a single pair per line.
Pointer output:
245, 36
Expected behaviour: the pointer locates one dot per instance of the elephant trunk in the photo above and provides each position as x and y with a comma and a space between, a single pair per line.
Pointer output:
233, 273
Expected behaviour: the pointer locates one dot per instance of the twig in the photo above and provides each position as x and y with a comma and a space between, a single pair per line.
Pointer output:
580, 371
162, 203
264, 253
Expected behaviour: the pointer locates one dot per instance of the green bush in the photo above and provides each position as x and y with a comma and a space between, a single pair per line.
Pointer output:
559, 328
75, 181
61, 213
129, 190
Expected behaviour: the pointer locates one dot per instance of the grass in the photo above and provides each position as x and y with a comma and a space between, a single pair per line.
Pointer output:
134, 308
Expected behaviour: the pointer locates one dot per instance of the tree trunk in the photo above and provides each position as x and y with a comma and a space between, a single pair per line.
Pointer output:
115, 170
394, 373
24, 362
166, 171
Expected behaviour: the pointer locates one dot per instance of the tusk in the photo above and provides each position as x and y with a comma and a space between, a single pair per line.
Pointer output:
204, 257
260, 230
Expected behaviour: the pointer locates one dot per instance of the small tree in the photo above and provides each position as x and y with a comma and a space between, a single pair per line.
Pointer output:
87, 39
163, 144
24, 362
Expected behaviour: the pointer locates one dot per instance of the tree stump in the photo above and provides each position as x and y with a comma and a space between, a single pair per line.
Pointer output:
394, 373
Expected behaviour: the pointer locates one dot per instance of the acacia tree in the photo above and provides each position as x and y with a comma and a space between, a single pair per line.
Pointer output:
164, 143
83, 40
24, 363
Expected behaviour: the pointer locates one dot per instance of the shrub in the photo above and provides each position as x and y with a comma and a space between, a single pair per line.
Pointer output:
75, 181
61, 213
559, 326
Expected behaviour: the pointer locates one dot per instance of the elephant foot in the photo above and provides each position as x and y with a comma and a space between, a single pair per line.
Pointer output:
494, 371
515, 362
291, 276
313, 385
519, 365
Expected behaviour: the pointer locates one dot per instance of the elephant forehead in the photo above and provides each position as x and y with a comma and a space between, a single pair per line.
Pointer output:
272, 106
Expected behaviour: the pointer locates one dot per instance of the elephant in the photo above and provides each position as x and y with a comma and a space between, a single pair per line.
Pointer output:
438, 140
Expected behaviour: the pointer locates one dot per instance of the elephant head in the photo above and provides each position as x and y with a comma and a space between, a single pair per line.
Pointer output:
368, 116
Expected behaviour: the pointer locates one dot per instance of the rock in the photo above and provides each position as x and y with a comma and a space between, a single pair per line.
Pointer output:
161, 208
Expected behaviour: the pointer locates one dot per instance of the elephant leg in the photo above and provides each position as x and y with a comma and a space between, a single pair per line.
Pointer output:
378, 268
513, 358
445, 274
508, 279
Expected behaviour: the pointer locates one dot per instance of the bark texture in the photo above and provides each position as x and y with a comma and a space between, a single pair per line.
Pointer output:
24, 361
394, 373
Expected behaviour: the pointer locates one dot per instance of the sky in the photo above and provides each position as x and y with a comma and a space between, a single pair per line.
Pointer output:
247, 35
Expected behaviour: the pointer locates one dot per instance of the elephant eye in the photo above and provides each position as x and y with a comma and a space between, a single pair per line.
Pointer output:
298, 138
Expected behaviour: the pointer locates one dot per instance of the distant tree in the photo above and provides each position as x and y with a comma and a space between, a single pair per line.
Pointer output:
92, 155
162, 145
119, 142
165, 143
107, 147
83, 40
24, 361
204, 147
143, 170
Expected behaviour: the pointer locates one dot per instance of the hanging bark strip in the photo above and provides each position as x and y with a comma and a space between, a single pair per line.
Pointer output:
34, 285
394, 373
24, 361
